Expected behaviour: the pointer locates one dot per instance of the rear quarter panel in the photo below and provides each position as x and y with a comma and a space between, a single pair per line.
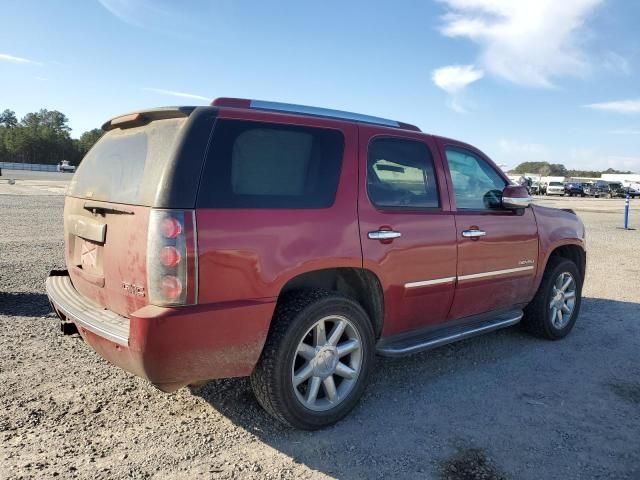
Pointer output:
248, 254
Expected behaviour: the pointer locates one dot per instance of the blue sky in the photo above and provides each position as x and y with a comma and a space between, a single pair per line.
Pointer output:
523, 80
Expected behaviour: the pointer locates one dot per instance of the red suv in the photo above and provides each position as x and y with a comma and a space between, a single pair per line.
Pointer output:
293, 243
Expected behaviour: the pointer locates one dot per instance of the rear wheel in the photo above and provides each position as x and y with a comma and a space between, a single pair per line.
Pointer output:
316, 360
553, 311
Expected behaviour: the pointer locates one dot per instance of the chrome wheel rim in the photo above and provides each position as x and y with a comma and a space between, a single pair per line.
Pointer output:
327, 363
563, 300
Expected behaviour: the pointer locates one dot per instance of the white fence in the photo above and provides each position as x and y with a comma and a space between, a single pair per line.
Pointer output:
36, 167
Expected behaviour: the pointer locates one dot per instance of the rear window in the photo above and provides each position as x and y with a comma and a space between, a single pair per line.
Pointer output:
262, 165
125, 165
556, 184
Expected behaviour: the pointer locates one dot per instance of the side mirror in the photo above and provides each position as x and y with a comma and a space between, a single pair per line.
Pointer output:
515, 197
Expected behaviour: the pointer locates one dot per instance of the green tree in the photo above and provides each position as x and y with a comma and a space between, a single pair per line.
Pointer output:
8, 119
88, 139
542, 168
530, 167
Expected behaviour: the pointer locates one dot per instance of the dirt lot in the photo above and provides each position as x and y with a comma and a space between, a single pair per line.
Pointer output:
500, 406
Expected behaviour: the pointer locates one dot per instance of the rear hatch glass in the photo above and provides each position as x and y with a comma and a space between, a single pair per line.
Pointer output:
107, 213
125, 165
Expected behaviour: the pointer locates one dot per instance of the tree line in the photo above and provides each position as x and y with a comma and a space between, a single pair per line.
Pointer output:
546, 169
42, 137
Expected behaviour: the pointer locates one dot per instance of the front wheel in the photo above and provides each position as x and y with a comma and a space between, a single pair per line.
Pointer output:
553, 311
316, 360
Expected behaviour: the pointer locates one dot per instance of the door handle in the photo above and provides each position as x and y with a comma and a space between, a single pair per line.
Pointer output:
473, 233
384, 235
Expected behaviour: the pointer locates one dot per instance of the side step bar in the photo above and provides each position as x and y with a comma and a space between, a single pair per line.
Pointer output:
402, 345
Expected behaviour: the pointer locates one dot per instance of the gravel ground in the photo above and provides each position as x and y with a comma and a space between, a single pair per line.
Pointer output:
504, 405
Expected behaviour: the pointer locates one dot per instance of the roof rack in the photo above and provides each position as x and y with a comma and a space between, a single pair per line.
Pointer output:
313, 111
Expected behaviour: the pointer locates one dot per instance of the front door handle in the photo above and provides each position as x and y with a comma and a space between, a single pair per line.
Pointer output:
384, 235
473, 233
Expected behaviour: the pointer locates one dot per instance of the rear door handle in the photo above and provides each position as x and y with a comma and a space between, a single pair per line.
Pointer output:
473, 233
384, 235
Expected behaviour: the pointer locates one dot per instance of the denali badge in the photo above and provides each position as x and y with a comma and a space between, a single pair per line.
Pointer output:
133, 289
526, 262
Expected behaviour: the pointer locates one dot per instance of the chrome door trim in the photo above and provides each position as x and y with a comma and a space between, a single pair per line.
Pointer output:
474, 233
516, 202
426, 283
383, 235
494, 273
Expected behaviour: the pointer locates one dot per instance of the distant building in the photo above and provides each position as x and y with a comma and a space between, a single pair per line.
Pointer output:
624, 178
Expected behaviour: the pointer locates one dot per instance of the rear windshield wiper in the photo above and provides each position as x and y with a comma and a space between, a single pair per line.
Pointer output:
97, 208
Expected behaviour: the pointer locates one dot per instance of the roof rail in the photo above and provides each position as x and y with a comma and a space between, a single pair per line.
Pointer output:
313, 111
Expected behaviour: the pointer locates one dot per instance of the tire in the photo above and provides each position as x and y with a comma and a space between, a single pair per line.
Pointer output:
538, 314
295, 321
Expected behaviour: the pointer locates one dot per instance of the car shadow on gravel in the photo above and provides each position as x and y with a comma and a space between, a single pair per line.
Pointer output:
402, 426
24, 304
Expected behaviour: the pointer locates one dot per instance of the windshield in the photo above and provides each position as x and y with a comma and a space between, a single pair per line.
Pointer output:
555, 184
125, 165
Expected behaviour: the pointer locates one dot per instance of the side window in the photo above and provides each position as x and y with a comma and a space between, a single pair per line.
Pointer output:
262, 165
400, 173
476, 185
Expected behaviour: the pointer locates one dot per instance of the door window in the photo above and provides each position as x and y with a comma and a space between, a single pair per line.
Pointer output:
476, 185
400, 174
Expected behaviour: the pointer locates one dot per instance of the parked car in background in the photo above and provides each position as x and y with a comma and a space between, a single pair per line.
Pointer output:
65, 166
617, 190
535, 188
291, 244
574, 189
555, 188
598, 189
633, 190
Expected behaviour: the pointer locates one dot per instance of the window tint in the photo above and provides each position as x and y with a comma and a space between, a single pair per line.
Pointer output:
258, 165
476, 185
400, 173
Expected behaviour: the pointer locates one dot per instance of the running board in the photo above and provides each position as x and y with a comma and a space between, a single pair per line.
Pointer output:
407, 344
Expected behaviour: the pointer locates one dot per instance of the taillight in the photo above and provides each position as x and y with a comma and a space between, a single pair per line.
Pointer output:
172, 258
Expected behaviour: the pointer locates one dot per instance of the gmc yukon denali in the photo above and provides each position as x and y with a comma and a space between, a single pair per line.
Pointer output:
291, 244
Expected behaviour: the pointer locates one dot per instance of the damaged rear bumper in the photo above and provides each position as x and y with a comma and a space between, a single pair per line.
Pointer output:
170, 346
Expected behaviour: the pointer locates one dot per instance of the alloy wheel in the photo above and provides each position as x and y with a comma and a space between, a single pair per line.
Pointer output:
327, 363
563, 300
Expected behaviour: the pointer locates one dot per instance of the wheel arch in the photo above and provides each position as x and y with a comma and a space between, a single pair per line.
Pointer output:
359, 284
573, 252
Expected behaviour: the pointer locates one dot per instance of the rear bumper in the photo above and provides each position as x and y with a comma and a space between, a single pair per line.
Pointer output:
171, 347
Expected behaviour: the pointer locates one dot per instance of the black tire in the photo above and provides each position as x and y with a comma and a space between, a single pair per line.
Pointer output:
536, 318
271, 380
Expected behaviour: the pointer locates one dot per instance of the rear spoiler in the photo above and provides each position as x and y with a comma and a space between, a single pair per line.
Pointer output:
136, 119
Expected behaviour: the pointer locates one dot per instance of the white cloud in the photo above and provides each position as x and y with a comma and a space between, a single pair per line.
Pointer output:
527, 42
453, 79
162, 16
619, 106
173, 93
131, 12
4, 57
